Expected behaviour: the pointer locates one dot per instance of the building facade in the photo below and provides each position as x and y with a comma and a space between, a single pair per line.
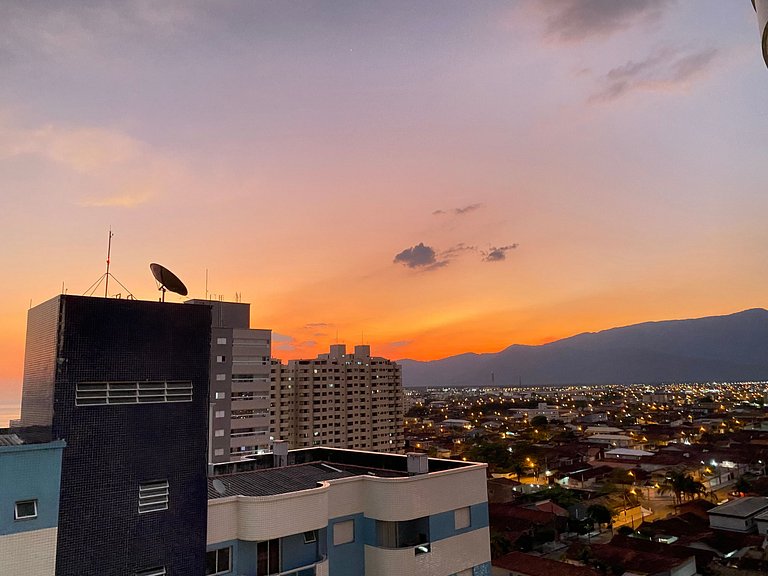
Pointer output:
339, 400
125, 384
30, 476
239, 383
348, 513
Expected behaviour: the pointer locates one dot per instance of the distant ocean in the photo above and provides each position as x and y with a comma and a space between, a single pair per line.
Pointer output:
8, 411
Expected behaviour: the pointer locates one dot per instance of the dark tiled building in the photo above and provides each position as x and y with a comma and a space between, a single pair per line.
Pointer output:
125, 384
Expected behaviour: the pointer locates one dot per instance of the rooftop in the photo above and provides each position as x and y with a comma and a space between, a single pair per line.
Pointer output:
25, 435
306, 468
537, 566
742, 507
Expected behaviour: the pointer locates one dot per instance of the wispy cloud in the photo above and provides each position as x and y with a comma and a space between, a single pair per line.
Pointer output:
43, 31
577, 20
114, 169
457, 250
663, 70
276, 337
400, 343
461, 211
420, 256
497, 253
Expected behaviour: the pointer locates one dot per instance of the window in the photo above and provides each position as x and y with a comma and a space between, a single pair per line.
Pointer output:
221, 377
221, 359
153, 496
25, 510
220, 413
221, 395
343, 532
218, 433
218, 452
268, 557
221, 340
218, 561
461, 518
159, 571
402, 534
310, 537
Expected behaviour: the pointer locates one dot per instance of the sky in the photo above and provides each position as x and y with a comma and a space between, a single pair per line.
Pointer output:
430, 178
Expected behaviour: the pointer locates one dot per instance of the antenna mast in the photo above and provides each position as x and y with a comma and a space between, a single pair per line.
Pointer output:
106, 274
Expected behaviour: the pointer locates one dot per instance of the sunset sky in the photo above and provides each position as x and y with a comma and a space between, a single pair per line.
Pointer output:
431, 177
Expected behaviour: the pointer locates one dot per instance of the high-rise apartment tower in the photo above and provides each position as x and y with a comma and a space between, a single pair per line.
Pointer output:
339, 400
239, 383
124, 384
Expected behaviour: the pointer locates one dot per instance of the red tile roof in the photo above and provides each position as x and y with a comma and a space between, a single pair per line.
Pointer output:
537, 566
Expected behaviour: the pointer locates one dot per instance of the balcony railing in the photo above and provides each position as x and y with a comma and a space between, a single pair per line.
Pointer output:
314, 569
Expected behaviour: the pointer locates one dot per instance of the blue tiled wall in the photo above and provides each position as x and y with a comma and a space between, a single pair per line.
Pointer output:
441, 525
295, 553
347, 559
30, 472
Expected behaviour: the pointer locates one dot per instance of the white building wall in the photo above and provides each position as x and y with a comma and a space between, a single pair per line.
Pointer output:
266, 517
731, 523
30, 553
447, 556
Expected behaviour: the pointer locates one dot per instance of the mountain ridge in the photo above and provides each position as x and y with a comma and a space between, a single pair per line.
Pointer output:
726, 347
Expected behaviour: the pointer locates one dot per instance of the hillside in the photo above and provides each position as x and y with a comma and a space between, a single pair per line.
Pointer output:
732, 347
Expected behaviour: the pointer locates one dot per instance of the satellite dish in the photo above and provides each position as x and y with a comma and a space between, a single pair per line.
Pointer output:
167, 280
218, 485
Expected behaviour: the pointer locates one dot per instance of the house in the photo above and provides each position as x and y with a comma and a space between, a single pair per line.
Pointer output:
738, 515
521, 564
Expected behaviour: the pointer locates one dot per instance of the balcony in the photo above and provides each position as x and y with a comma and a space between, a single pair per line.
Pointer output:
319, 568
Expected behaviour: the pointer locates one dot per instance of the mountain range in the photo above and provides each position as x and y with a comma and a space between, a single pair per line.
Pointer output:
716, 348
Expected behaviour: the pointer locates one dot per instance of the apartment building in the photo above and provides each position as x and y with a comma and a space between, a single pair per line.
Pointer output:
30, 476
239, 382
339, 400
324, 511
125, 384
107, 473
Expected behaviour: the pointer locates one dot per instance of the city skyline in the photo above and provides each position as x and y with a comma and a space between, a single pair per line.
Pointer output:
430, 179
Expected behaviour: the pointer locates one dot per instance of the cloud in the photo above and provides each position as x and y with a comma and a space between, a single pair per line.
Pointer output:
292, 345
419, 256
663, 70
317, 325
401, 343
497, 253
576, 20
35, 31
276, 337
457, 250
112, 168
461, 211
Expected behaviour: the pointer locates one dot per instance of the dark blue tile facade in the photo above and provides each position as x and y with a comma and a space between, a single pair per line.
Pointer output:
111, 449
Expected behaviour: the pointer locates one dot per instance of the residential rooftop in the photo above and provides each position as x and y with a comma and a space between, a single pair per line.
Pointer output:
537, 566
742, 507
25, 435
306, 468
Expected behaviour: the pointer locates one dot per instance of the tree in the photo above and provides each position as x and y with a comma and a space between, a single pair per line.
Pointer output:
743, 484
499, 545
539, 421
494, 454
600, 514
682, 486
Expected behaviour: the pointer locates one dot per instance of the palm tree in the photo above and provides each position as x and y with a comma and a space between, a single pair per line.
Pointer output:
682, 485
